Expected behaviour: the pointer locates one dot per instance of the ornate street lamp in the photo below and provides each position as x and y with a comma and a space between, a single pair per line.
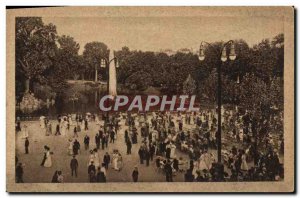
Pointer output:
222, 57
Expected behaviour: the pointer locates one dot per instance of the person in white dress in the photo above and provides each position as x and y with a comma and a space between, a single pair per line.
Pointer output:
119, 162
115, 158
64, 126
70, 147
97, 120
208, 158
244, 165
241, 135
82, 126
48, 161
202, 163
25, 131
91, 157
42, 122
70, 120
196, 167
96, 159
173, 149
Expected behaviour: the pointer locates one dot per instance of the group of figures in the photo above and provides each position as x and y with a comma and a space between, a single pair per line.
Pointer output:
251, 149
64, 123
177, 144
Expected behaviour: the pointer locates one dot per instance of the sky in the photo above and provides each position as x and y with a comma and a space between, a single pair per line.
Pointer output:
156, 33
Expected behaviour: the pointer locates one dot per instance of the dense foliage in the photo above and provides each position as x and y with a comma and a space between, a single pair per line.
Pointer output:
255, 78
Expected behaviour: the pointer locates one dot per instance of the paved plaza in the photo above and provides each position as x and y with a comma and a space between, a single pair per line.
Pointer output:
33, 172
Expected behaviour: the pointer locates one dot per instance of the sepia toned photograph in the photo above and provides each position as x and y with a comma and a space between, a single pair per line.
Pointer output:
150, 99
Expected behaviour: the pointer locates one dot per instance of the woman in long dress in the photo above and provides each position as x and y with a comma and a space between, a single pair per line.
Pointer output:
208, 158
70, 120
49, 129
196, 167
115, 157
91, 157
25, 131
48, 161
244, 165
64, 127
97, 120
173, 149
42, 122
70, 148
202, 162
82, 125
96, 159
119, 162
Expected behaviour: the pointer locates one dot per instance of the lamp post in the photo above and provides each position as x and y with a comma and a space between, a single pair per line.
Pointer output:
105, 63
222, 57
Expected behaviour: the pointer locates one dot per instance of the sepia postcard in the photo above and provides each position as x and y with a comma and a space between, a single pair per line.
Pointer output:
150, 99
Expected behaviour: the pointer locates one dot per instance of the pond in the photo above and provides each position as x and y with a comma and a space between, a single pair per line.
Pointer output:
63, 106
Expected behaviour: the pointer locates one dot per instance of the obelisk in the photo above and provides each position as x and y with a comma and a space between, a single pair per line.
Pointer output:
112, 75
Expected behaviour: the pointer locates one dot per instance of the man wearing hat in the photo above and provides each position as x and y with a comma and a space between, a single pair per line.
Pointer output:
74, 165
135, 174
91, 169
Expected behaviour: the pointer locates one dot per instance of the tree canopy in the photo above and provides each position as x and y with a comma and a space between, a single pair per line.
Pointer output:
253, 78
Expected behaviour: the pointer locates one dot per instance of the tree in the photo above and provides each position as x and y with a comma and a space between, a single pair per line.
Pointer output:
276, 93
189, 86
263, 60
240, 66
35, 48
138, 81
253, 92
278, 48
209, 88
67, 57
93, 52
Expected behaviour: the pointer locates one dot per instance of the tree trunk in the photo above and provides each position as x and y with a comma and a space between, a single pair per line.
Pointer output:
96, 75
27, 85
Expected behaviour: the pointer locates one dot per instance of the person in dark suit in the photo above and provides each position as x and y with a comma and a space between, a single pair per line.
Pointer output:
76, 147
188, 176
152, 151
74, 165
86, 125
101, 176
112, 136
141, 155
103, 141
106, 160
57, 130
26, 146
75, 132
45, 153
129, 146
126, 136
168, 152
91, 169
18, 126
55, 177
97, 140
147, 157
19, 173
86, 142
176, 164
168, 171
135, 174
93, 177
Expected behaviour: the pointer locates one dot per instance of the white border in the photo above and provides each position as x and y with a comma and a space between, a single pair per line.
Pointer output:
4, 3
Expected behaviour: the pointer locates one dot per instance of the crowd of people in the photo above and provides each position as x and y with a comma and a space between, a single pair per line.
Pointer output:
180, 143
